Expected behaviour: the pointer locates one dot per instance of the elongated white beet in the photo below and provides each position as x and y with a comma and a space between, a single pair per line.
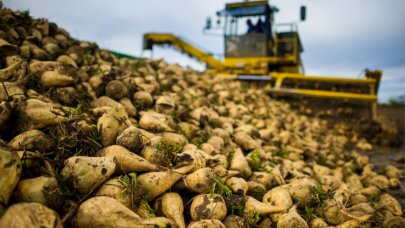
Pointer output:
153, 152
55, 79
193, 157
165, 104
37, 67
393, 172
264, 178
18, 68
156, 183
10, 172
102, 211
129, 106
38, 53
245, 141
208, 149
358, 198
211, 223
333, 213
105, 101
390, 203
44, 190
116, 189
238, 185
221, 171
240, 164
30, 215
393, 222
266, 222
171, 206
144, 210
317, 223
217, 142
255, 206
218, 159
353, 223
301, 193
128, 161
43, 114
143, 99
87, 173
5, 113
279, 197
278, 175
31, 140
116, 89
171, 138
234, 221
256, 189
131, 138
154, 122
109, 127
207, 206
64, 59
291, 219
394, 183
200, 181
11, 90
371, 191
360, 210
158, 222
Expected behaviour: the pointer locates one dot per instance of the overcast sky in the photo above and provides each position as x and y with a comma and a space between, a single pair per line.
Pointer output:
340, 37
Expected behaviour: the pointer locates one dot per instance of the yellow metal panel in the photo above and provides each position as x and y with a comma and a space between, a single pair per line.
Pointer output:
227, 76
288, 59
256, 60
248, 60
325, 94
368, 81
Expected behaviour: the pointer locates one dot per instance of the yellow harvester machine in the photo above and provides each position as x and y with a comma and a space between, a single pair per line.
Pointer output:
268, 51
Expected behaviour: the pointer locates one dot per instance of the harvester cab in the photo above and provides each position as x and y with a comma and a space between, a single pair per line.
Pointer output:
256, 48
252, 45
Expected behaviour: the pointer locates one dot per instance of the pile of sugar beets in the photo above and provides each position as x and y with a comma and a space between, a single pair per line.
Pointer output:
89, 140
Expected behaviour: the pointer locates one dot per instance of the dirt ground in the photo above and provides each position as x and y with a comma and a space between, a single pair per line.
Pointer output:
382, 156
